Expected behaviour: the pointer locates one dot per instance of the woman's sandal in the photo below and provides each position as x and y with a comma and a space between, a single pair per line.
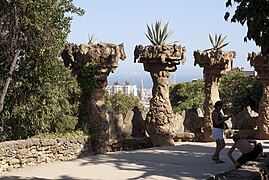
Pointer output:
220, 161
217, 160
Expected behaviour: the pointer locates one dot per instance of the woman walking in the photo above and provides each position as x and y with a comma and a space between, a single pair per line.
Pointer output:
218, 130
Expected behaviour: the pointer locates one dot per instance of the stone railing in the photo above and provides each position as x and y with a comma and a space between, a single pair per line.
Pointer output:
32, 152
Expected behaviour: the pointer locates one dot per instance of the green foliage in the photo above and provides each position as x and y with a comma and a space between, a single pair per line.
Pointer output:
157, 34
43, 95
121, 103
39, 103
86, 78
87, 82
238, 90
67, 135
187, 95
218, 42
255, 14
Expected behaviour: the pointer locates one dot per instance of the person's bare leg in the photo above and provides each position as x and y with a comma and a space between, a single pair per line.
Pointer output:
216, 154
220, 144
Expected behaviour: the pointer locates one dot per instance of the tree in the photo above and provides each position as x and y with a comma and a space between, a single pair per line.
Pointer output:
238, 90
253, 13
187, 95
32, 33
121, 103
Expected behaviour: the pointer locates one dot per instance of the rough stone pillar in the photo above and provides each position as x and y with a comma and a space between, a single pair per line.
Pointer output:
211, 91
261, 65
160, 61
215, 64
99, 121
105, 57
159, 120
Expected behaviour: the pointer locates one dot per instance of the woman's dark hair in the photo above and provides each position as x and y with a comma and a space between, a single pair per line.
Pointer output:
218, 103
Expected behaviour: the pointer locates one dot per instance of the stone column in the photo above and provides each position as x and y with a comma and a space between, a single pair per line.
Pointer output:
105, 57
159, 120
215, 64
261, 65
160, 61
211, 91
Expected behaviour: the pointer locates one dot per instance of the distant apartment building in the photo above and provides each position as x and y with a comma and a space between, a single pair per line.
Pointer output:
249, 73
144, 94
127, 88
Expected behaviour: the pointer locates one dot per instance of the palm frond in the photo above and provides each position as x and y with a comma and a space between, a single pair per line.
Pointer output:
158, 31
211, 40
222, 46
150, 39
216, 39
154, 33
222, 40
218, 42
157, 34
165, 30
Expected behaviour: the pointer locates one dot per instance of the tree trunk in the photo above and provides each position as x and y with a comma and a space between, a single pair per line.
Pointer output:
9, 78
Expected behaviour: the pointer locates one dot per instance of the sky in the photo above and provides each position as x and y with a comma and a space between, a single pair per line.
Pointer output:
122, 21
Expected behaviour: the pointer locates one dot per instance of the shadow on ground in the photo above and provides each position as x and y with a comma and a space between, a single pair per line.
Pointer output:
34, 178
186, 160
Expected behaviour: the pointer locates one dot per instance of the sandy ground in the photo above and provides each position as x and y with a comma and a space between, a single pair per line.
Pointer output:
186, 160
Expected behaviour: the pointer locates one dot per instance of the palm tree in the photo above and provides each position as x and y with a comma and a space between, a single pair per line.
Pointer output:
157, 34
218, 43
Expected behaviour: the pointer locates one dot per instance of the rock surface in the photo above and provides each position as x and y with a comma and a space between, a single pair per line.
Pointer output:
257, 169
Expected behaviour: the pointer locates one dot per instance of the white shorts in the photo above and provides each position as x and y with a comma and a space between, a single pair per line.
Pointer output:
217, 133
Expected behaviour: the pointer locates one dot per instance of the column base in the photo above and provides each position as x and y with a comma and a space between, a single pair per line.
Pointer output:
162, 140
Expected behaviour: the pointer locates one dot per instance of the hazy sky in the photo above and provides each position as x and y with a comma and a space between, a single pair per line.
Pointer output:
193, 20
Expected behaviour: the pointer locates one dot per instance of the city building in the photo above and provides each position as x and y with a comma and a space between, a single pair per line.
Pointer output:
143, 94
127, 88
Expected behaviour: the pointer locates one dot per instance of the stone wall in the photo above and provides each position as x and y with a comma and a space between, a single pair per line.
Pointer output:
31, 152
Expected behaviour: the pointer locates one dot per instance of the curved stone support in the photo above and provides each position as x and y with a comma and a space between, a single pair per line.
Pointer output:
215, 64
261, 65
160, 61
211, 91
159, 120
105, 56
